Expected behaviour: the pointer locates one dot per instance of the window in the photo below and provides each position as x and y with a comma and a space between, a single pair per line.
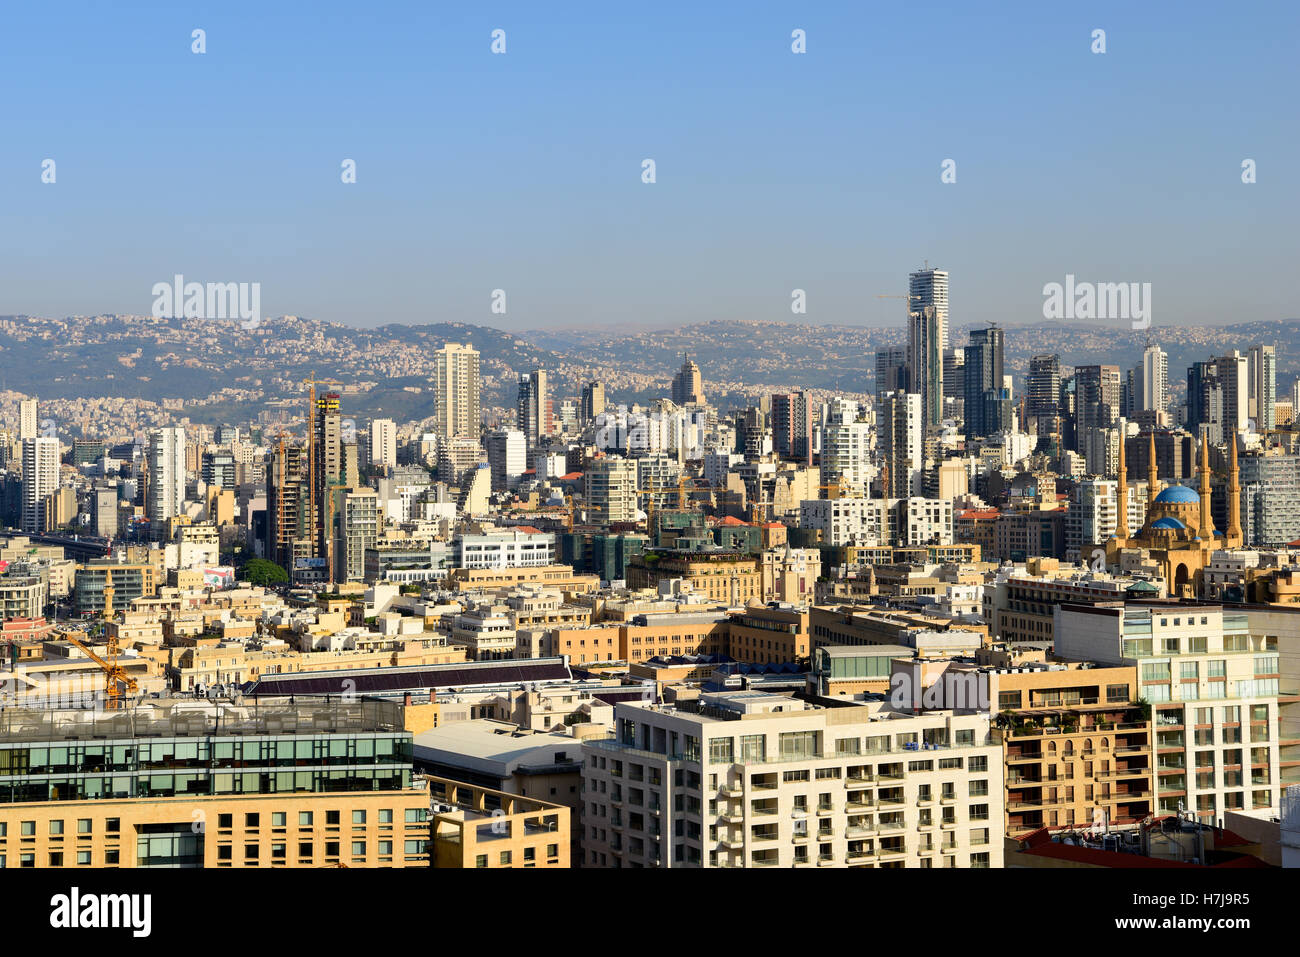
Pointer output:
277, 819
721, 750
753, 747
111, 856
83, 858
504, 859
84, 825
978, 763
386, 816
251, 852
252, 820
277, 852
481, 860
225, 821
56, 827
386, 850
358, 817
358, 848
304, 818
331, 818
304, 849
112, 825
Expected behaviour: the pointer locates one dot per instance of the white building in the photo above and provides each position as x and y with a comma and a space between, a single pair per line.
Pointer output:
383, 442
754, 779
166, 472
40, 479
506, 548
847, 521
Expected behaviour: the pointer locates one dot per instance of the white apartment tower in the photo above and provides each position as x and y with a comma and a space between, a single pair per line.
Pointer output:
457, 386
1155, 379
40, 479
383, 442
166, 475
28, 425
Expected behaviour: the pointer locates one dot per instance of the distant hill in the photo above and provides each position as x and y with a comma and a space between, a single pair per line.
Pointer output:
237, 371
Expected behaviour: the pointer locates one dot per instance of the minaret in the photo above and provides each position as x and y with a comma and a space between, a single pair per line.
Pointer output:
1232, 539
1121, 495
1206, 531
1153, 475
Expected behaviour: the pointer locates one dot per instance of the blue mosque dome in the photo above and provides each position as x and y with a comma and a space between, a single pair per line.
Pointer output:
1168, 522
1178, 495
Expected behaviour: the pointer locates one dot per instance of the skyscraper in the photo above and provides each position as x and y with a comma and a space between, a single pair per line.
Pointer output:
901, 436
1234, 376
593, 401
1263, 386
383, 442
1044, 393
929, 287
984, 372
457, 387
792, 426
925, 361
1155, 379
1097, 398
28, 425
534, 407
40, 479
688, 386
165, 492
891, 371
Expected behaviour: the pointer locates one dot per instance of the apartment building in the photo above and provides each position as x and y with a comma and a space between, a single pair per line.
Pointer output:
751, 779
1019, 605
1213, 687
479, 827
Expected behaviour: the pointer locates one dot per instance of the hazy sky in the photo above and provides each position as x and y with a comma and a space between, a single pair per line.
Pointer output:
522, 171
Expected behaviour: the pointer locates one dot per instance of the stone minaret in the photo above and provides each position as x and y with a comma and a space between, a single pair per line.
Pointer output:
1206, 530
1232, 538
1153, 476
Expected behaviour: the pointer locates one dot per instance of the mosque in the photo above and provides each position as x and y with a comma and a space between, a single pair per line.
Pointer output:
1179, 534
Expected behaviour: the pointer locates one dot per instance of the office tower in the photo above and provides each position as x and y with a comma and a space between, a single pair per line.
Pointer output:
901, 436
165, 491
383, 443
1202, 378
1154, 394
1263, 386
954, 374
891, 371
358, 528
40, 479
1097, 395
1044, 391
688, 387
984, 372
610, 491
507, 455
218, 470
1234, 376
457, 387
28, 424
534, 407
593, 401
929, 287
103, 512
792, 426
925, 362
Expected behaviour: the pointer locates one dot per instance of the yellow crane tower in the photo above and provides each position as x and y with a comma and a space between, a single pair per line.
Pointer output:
117, 682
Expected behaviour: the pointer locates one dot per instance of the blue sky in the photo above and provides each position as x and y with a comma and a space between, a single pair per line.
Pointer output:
521, 171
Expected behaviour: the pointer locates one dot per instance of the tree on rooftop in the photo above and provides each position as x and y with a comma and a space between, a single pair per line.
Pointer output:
260, 571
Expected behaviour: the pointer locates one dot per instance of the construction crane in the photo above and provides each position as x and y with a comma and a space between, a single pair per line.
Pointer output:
117, 683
